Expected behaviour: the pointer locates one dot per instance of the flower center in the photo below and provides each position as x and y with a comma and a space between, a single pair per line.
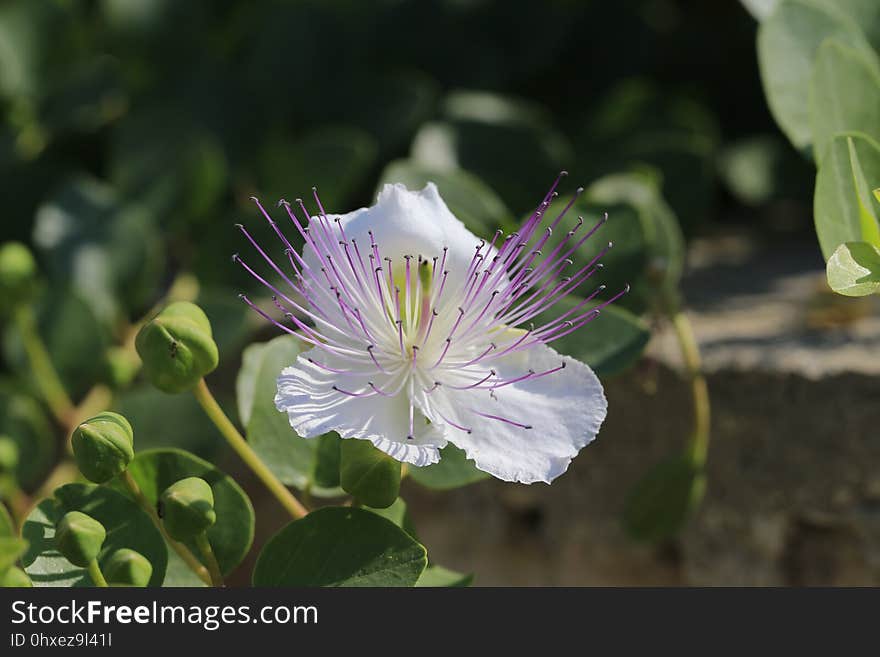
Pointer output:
410, 308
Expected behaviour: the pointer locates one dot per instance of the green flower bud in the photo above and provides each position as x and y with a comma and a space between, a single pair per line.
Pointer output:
79, 538
8, 455
127, 568
187, 508
103, 446
122, 366
18, 272
14, 578
177, 347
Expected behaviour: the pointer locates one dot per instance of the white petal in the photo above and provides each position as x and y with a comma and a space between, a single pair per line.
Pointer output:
410, 223
313, 408
565, 410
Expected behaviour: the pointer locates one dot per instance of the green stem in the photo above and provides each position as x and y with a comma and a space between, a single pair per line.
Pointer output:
19, 504
208, 553
96, 574
699, 446
247, 454
183, 552
41, 364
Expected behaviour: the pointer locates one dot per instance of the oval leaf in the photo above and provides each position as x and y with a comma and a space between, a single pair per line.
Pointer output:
610, 344
127, 525
787, 44
368, 473
232, 534
337, 546
844, 94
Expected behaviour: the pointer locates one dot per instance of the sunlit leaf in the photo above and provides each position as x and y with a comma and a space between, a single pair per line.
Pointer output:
854, 269
337, 546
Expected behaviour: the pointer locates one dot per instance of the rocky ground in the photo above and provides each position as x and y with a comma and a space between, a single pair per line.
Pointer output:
794, 464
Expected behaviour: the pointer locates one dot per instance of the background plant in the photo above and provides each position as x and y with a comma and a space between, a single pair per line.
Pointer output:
821, 72
134, 133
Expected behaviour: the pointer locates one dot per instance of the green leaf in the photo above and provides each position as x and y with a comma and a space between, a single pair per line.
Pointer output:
337, 546
369, 474
325, 476
787, 45
660, 503
610, 344
664, 243
11, 548
452, 471
468, 197
127, 525
844, 94
843, 208
231, 536
22, 419
854, 269
508, 142
438, 576
294, 460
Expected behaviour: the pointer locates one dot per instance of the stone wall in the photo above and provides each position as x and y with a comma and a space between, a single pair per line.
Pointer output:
794, 465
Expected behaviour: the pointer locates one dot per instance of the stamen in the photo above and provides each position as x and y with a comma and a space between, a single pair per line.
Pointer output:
502, 419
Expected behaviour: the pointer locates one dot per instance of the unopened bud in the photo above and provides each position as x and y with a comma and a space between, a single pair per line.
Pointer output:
18, 272
79, 538
8, 455
103, 446
127, 568
177, 347
187, 508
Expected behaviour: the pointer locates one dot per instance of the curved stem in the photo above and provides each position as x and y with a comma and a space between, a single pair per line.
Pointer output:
41, 365
96, 574
207, 552
182, 551
244, 450
18, 502
690, 351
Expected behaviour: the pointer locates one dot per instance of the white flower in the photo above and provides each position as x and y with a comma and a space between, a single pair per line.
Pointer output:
421, 334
